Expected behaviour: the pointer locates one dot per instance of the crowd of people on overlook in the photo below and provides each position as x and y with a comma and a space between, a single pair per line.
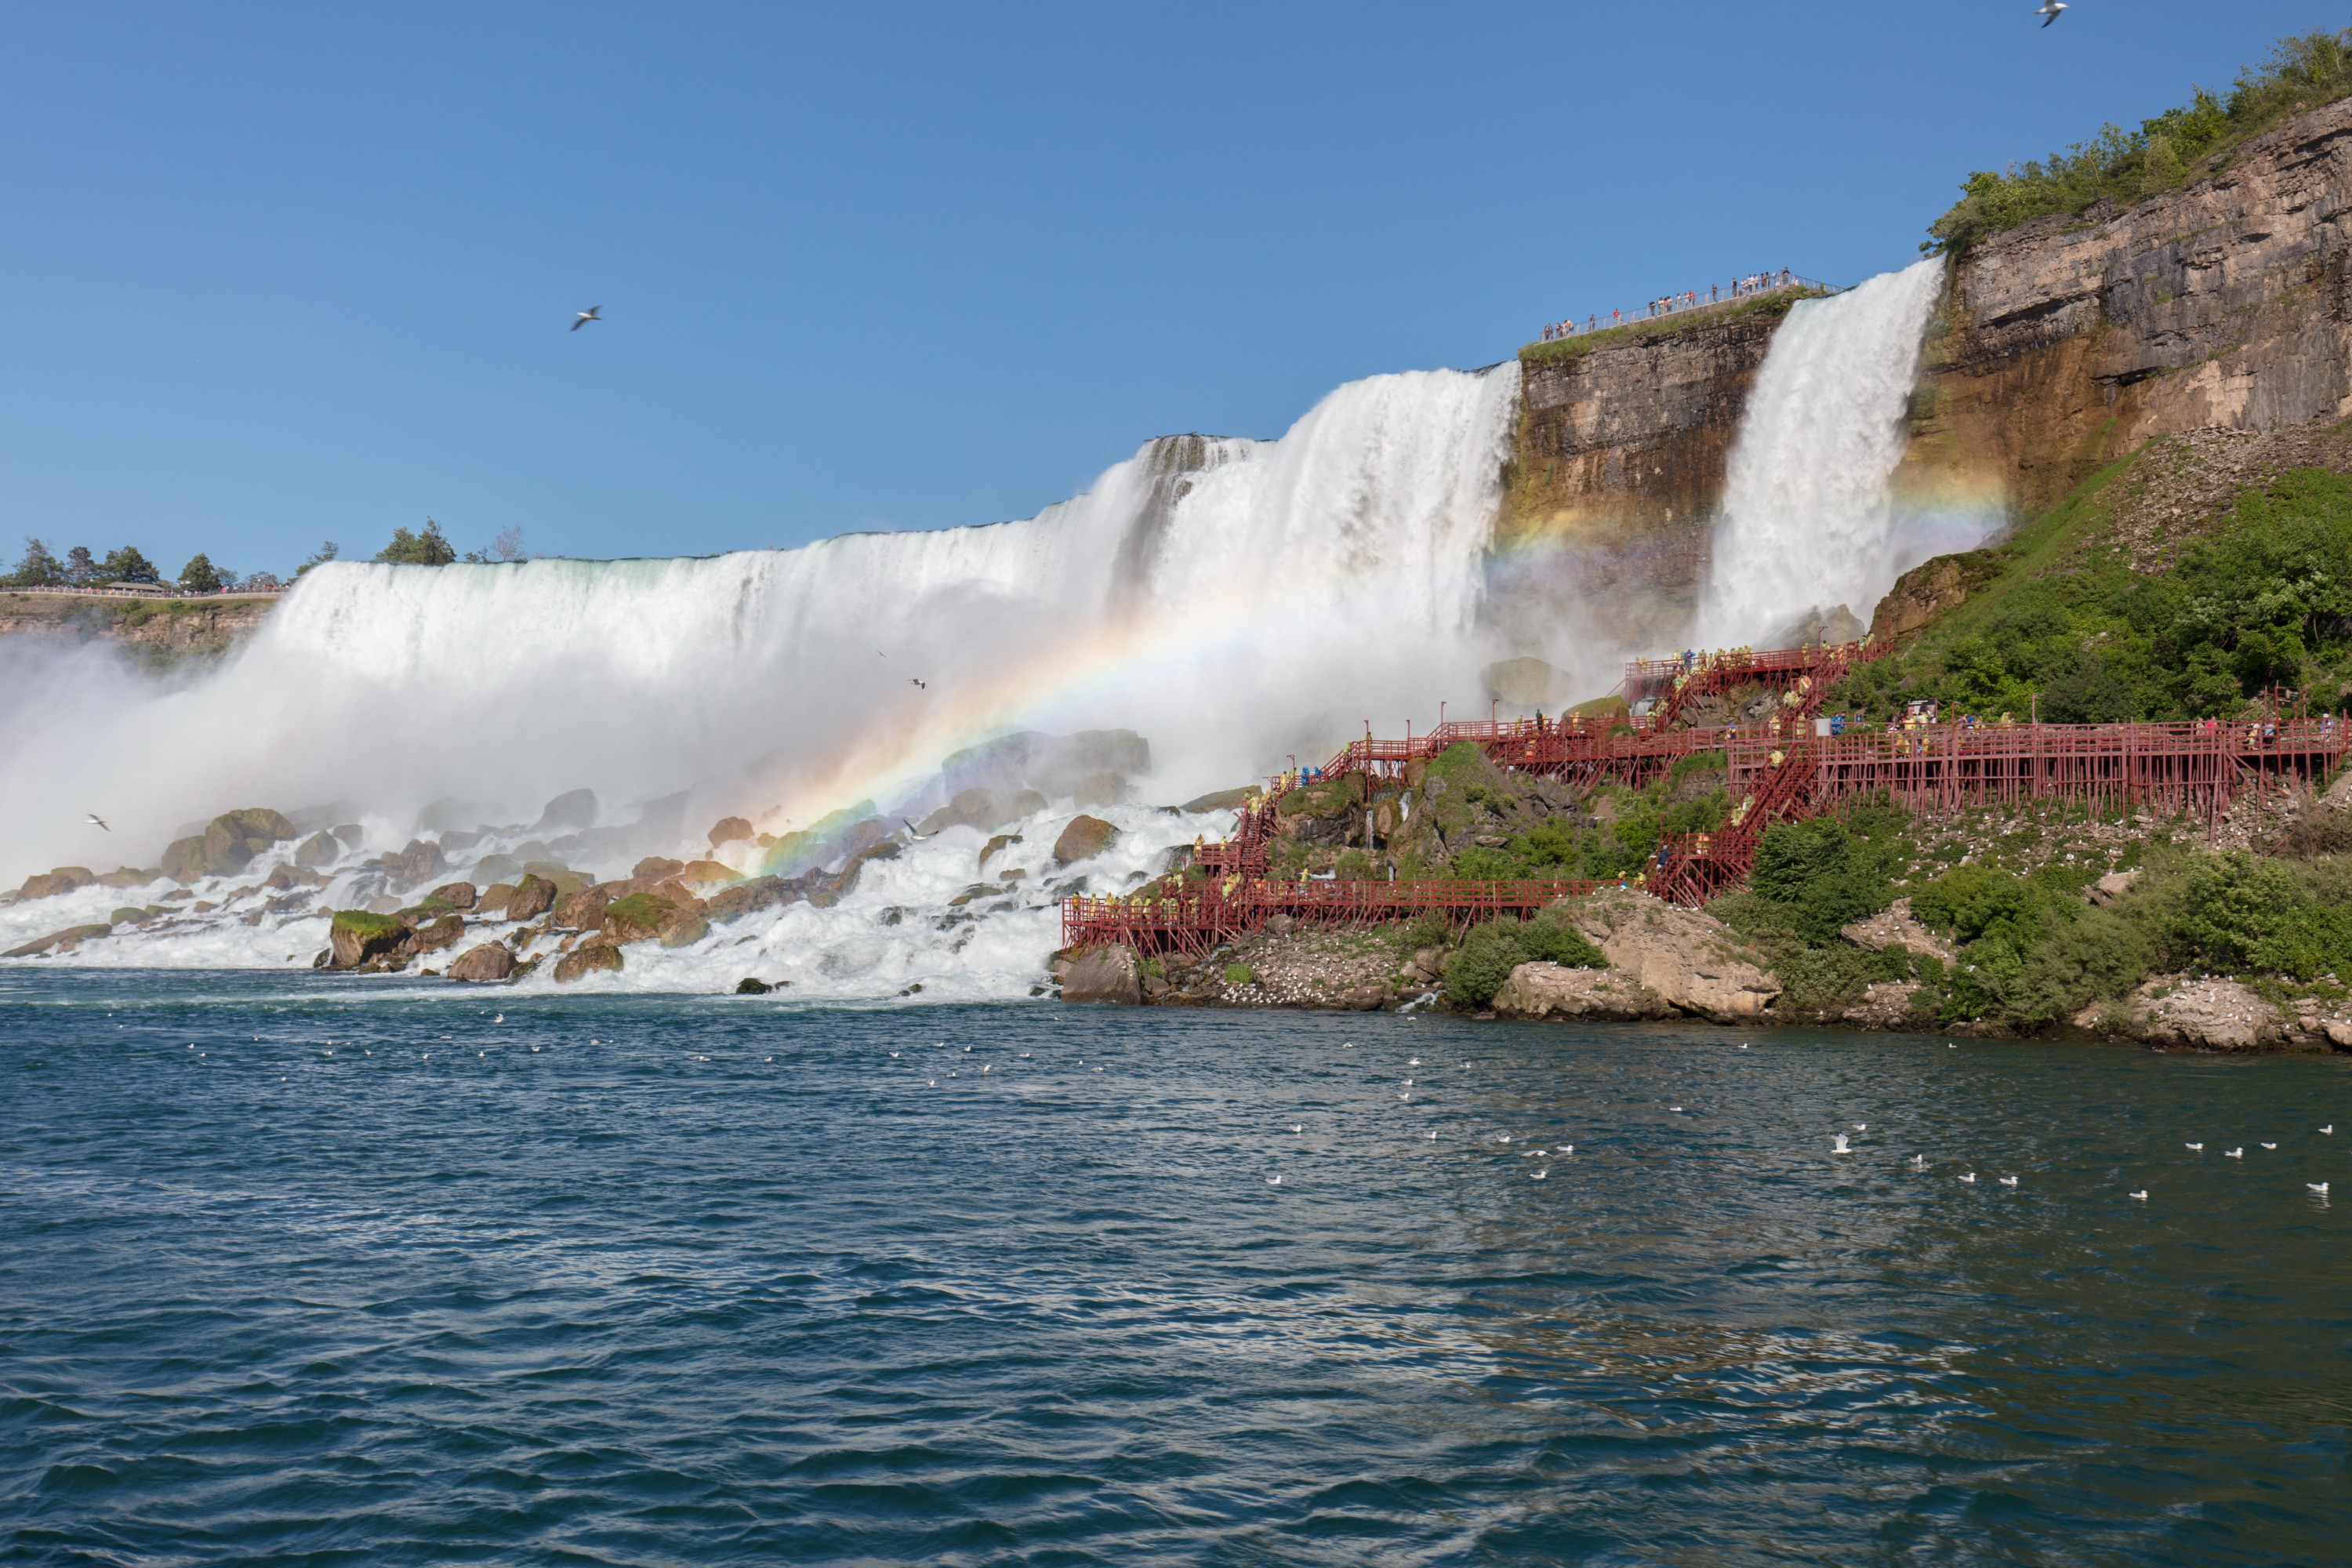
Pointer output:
1668, 304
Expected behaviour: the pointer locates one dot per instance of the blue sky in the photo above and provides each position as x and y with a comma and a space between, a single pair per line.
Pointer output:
275, 274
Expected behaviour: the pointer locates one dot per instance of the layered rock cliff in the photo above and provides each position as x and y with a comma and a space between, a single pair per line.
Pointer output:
158, 631
2071, 340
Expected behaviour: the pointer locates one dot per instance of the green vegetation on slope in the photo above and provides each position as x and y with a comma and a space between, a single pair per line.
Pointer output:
2264, 600
1488, 955
2126, 167
1768, 306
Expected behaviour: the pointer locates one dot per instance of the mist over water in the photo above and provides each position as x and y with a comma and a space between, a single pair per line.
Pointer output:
1808, 518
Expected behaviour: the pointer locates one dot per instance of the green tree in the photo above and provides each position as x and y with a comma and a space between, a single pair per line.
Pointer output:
198, 577
81, 567
38, 569
327, 552
128, 566
1816, 871
427, 548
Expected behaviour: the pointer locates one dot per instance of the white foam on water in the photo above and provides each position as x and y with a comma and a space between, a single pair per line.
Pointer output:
1808, 518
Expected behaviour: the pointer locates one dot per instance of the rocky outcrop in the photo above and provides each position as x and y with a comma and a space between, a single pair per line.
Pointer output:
58, 941
729, 830
1927, 590
432, 935
2112, 886
319, 849
640, 917
683, 928
231, 841
1693, 961
159, 631
585, 911
490, 960
457, 895
2202, 1015
1084, 838
416, 865
570, 812
747, 897
1103, 974
1895, 926
1552, 990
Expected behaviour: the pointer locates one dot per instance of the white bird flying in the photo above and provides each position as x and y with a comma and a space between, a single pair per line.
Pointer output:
925, 685
582, 318
917, 837
2049, 11
100, 821
1839, 1147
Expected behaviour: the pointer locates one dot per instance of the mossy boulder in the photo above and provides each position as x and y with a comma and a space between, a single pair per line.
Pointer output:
434, 936
493, 902
1221, 800
637, 918
358, 935
684, 929
457, 895
64, 940
128, 915
583, 911
655, 869
233, 839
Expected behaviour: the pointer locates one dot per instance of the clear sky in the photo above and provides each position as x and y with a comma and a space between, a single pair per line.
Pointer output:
279, 273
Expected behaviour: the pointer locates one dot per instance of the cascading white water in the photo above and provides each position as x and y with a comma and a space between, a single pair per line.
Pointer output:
1808, 518
1233, 601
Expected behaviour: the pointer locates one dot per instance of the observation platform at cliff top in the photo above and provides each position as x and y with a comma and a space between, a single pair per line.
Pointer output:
1672, 312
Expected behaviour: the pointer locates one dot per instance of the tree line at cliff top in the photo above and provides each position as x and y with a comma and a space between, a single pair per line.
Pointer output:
80, 567
2165, 153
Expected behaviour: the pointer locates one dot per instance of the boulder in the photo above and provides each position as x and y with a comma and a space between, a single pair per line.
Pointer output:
588, 958
708, 874
51, 884
532, 896
319, 849
583, 910
1099, 789
492, 904
433, 935
64, 940
1528, 682
1552, 990
751, 985
1084, 838
655, 869
351, 834
498, 868
234, 838
729, 830
457, 895
2113, 886
989, 850
637, 918
748, 898
184, 860
416, 865
358, 935
684, 929
1105, 974
1692, 960
575, 809
128, 915
283, 877
128, 876
2200, 1014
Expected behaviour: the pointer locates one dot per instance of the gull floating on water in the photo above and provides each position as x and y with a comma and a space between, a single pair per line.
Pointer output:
1970, 1177
2270, 1145
2009, 1181
2141, 1195
2319, 1187
1918, 1162
582, 318
2237, 1153
1298, 1126
2329, 1127
1274, 1181
2194, 1148
1839, 1147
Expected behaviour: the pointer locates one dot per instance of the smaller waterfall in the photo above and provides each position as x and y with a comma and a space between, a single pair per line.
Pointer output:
1809, 517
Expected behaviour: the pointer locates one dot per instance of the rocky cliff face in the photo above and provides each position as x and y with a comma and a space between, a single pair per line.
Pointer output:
1619, 464
2069, 341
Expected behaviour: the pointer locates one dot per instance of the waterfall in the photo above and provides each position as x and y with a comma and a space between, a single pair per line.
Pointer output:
1809, 520
1233, 601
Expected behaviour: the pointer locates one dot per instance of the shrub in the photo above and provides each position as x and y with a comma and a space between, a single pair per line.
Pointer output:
1240, 975
1489, 953
2129, 166
1813, 870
